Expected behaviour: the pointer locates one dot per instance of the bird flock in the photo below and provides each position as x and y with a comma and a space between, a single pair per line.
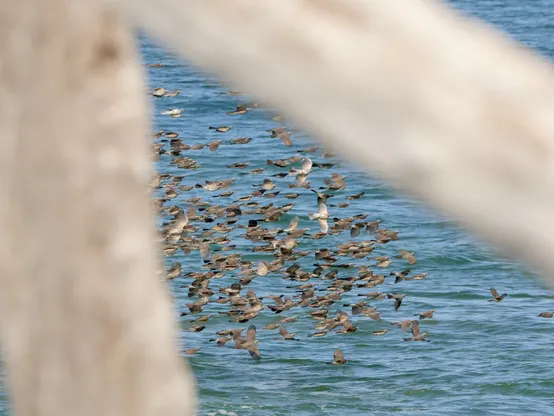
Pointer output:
340, 288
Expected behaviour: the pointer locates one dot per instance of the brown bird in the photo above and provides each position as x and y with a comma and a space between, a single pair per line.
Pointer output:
192, 351
286, 335
204, 248
380, 332
221, 129
241, 109
213, 146
221, 341
403, 325
496, 296
338, 358
546, 314
409, 257
196, 328
382, 261
249, 343
282, 134
416, 333
427, 314
397, 299
241, 140
400, 275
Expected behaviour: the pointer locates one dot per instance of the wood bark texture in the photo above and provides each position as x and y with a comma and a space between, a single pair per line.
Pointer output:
86, 325
440, 105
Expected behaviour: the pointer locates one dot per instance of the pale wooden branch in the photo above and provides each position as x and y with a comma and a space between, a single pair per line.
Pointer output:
86, 324
439, 105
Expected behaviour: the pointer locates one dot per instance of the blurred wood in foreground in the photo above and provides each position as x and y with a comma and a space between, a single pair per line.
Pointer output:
87, 327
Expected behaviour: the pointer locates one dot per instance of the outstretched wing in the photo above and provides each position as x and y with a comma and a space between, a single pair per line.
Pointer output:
283, 331
494, 292
251, 335
339, 356
301, 178
307, 164
415, 328
262, 269
323, 210
293, 223
323, 225
285, 138
254, 351
204, 250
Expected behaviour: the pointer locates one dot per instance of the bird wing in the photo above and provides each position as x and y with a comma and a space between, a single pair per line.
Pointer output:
415, 328
285, 138
204, 249
307, 164
323, 209
254, 351
494, 292
397, 303
283, 331
323, 225
301, 178
251, 334
262, 268
338, 356
293, 223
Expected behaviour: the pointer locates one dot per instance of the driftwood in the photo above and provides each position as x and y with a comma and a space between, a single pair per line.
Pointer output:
439, 105
87, 327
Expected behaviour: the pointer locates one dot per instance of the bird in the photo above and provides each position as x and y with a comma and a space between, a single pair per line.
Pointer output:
338, 358
403, 325
397, 299
173, 112
222, 129
546, 314
427, 314
293, 224
286, 335
249, 343
204, 248
409, 257
241, 109
213, 146
322, 213
416, 333
159, 92
496, 296
305, 169
262, 269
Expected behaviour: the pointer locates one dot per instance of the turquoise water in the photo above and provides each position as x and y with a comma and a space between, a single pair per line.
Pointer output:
484, 358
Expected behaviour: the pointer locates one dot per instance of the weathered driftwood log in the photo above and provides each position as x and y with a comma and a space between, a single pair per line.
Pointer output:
86, 325
440, 105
